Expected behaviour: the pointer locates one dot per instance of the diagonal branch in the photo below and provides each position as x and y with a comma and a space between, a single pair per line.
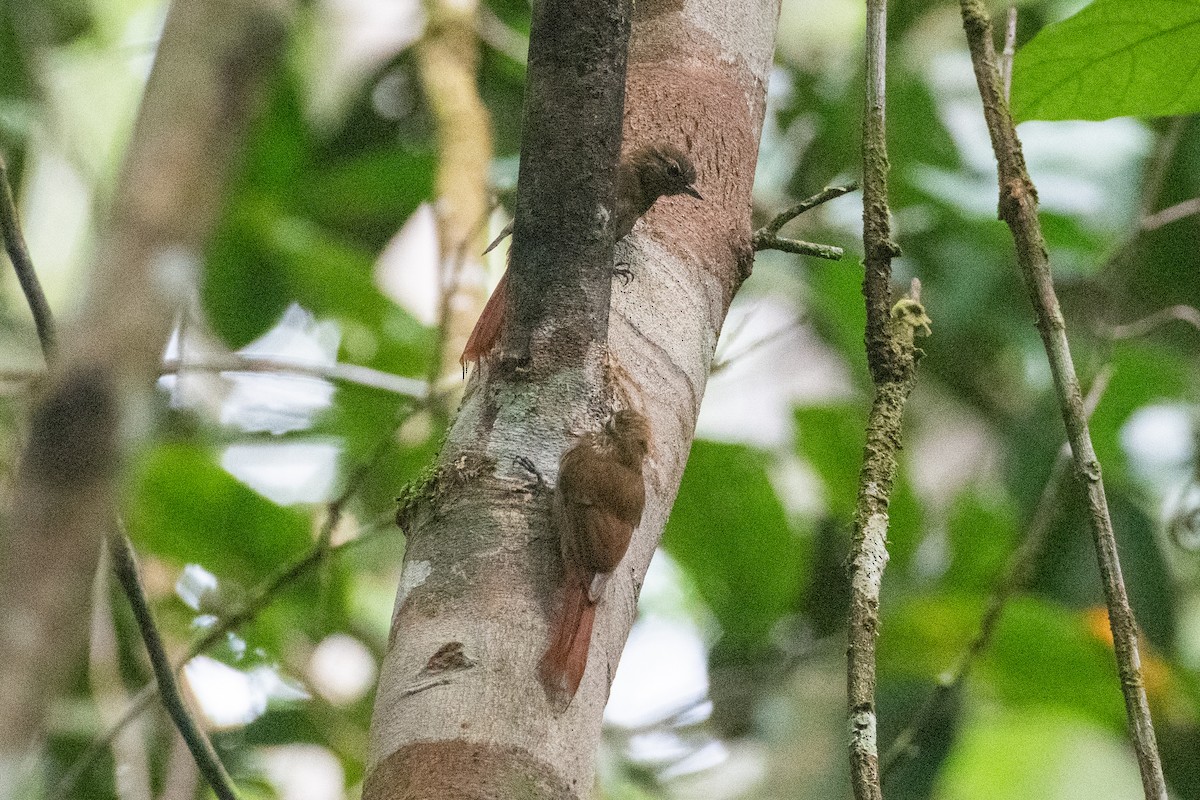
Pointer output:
1016, 575
125, 566
18, 253
1018, 208
258, 600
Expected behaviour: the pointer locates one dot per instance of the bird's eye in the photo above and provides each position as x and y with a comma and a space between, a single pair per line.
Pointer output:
673, 170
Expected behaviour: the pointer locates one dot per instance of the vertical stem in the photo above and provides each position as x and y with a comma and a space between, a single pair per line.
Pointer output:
877, 233
892, 357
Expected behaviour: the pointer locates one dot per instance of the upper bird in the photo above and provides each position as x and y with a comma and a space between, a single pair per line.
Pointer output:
646, 174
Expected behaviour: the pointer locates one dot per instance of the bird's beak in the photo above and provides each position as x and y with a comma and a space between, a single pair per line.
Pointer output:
689, 189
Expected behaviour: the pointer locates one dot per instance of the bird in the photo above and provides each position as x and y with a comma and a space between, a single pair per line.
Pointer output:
652, 171
596, 506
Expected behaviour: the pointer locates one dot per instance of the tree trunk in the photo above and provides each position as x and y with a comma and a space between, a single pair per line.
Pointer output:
459, 711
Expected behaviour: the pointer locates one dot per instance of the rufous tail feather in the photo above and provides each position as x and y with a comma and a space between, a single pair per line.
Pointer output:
562, 667
487, 329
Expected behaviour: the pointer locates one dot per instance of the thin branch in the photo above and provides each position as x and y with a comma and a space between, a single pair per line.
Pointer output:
1180, 313
1010, 50
346, 373
125, 566
892, 356
906, 745
250, 608
18, 253
767, 238
1171, 214
259, 599
800, 247
722, 362
1018, 208
340, 372
1158, 168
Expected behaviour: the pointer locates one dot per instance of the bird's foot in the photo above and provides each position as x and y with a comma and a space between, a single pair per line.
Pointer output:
526, 464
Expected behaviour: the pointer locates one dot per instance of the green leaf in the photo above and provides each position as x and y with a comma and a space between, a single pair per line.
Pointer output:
1039, 753
188, 509
1114, 58
729, 531
1041, 654
830, 438
983, 533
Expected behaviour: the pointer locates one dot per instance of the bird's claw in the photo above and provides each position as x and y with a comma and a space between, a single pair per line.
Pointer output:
622, 271
528, 465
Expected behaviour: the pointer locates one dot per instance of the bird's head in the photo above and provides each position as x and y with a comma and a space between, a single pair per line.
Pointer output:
663, 169
630, 435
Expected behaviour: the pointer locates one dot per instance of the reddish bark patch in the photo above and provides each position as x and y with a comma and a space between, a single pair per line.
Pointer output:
464, 771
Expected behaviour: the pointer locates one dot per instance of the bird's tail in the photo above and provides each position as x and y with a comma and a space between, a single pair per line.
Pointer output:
487, 329
562, 667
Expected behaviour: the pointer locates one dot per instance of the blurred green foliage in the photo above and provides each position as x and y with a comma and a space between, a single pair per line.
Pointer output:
760, 528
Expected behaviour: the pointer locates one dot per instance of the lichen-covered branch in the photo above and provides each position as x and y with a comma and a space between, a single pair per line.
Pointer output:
892, 357
1018, 208
1016, 574
868, 551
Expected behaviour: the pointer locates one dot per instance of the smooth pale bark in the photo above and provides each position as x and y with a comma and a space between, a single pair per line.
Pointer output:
459, 712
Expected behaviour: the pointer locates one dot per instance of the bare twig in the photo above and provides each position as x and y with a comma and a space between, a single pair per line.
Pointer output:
340, 372
721, 362
320, 552
1140, 327
892, 357
259, 599
1018, 208
346, 373
767, 237
18, 253
109, 693
125, 566
1015, 576
1171, 214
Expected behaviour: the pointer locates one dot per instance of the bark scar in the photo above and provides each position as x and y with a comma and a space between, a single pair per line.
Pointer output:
439, 669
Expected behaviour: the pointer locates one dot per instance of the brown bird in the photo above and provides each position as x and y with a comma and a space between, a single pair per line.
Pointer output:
597, 503
648, 173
